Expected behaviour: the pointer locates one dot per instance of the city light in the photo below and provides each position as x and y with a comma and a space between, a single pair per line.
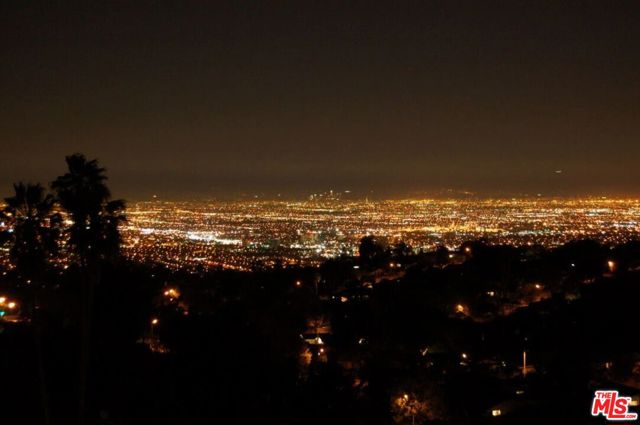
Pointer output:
237, 235
171, 293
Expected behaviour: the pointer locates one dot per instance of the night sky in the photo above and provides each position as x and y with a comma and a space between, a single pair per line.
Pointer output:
191, 99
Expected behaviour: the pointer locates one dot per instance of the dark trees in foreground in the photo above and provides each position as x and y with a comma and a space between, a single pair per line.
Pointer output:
90, 241
35, 228
235, 355
93, 235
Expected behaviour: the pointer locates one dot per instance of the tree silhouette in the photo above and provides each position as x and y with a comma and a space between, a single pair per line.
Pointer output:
372, 251
34, 239
83, 193
94, 237
35, 228
401, 251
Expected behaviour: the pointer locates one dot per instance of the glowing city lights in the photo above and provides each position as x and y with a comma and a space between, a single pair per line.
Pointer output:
238, 235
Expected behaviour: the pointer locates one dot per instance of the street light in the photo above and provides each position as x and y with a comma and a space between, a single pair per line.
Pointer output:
171, 293
154, 322
410, 409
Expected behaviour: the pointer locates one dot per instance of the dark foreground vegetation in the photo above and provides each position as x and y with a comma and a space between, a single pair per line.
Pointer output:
482, 334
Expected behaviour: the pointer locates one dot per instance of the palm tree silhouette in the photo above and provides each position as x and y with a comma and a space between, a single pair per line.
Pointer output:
34, 239
82, 192
35, 228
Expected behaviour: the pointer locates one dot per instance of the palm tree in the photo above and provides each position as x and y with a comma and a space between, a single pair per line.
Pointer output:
35, 228
34, 239
113, 215
83, 194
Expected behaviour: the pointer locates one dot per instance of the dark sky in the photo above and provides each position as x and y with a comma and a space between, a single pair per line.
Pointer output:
218, 99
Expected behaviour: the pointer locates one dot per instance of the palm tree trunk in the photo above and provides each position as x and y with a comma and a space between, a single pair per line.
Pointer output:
91, 278
37, 326
41, 371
